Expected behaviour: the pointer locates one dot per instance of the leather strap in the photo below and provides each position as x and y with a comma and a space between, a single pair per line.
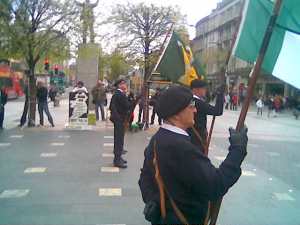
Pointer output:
162, 189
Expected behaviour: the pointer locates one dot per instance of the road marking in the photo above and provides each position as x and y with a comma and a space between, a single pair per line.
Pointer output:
35, 170
290, 190
16, 136
270, 179
110, 192
220, 158
273, 154
108, 144
48, 155
254, 170
14, 193
283, 197
248, 173
5, 144
108, 137
64, 136
57, 144
108, 155
110, 169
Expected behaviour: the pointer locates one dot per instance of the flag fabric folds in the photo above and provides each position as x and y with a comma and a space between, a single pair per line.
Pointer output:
178, 64
281, 58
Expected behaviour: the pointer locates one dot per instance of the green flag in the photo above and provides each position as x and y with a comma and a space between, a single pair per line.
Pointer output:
281, 58
177, 62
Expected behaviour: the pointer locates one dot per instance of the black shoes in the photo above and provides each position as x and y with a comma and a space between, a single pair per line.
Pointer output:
123, 160
120, 164
124, 152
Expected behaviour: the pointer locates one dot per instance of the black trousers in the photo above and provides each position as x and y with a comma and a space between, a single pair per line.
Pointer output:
119, 133
24, 114
1, 116
153, 117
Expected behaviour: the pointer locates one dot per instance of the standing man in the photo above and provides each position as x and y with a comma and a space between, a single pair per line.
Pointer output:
119, 107
3, 101
42, 97
198, 132
177, 180
99, 99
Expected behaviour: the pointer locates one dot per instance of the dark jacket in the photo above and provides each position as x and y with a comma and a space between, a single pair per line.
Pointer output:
188, 174
3, 99
119, 106
42, 94
204, 109
99, 94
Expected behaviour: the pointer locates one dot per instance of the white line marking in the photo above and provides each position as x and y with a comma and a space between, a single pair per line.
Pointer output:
108, 155
108, 144
5, 144
16, 136
110, 169
273, 154
248, 173
108, 137
35, 170
283, 197
48, 155
110, 192
64, 136
270, 179
57, 144
254, 169
16, 193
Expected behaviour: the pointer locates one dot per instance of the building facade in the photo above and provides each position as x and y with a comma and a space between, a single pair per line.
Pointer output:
213, 41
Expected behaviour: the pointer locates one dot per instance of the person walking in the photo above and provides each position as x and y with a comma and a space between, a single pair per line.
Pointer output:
3, 101
259, 105
99, 99
119, 107
26, 107
177, 180
42, 97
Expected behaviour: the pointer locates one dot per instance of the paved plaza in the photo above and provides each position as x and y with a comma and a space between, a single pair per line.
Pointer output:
59, 176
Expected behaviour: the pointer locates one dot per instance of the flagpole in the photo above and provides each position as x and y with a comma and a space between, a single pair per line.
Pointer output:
252, 82
146, 88
224, 75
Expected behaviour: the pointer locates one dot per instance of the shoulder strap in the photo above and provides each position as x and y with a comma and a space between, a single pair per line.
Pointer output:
162, 190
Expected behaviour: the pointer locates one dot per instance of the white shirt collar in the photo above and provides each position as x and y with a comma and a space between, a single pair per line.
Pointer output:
120, 90
195, 96
174, 129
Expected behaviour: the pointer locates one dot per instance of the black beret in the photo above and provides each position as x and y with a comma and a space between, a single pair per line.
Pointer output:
197, 83
118, 82
173, 100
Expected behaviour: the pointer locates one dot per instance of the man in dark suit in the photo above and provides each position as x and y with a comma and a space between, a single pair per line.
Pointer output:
3, 100
199, 131
176, 172
119, 107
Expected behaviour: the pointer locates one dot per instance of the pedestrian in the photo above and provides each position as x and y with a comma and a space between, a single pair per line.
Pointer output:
234, 101
132, 104
227, 100
141, 108
26, 106
198, 132
259, 105
99, 99
177, 180
80, 87
270, 103
153, 102
3, 101
42, 97
52, 95
119, 107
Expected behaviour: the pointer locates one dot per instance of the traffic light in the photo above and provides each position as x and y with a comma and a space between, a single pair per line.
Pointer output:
56, 70
46, 64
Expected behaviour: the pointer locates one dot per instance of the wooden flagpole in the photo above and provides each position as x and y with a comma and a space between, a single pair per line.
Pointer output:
252, 82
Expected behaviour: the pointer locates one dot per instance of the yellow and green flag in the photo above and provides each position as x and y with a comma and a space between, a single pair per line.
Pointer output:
178, 64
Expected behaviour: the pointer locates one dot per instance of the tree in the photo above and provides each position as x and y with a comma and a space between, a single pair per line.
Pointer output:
145, 27
32, 28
